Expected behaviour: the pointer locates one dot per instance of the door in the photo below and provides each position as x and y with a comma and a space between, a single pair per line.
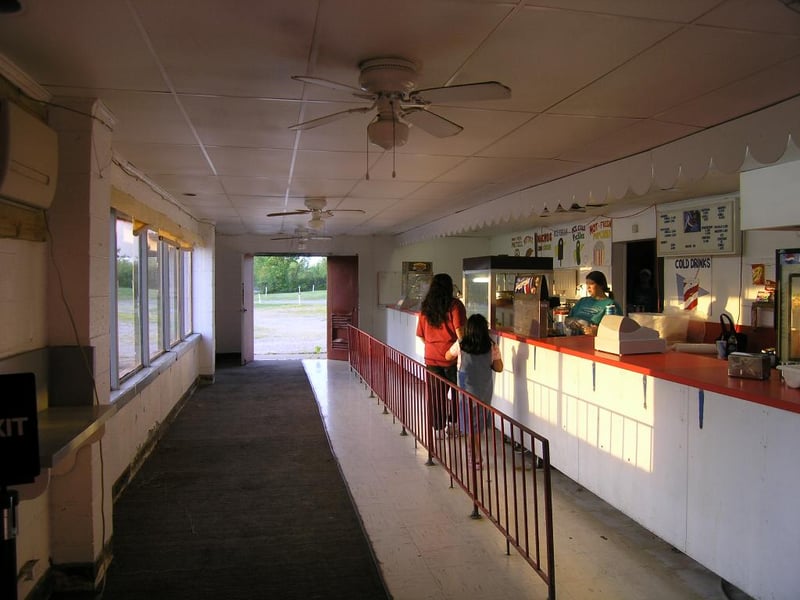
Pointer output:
247, 309
342, 303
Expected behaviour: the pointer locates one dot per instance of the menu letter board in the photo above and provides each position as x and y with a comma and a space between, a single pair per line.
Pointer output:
708, 226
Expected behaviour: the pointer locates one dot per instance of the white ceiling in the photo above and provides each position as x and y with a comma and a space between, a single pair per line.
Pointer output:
203, 95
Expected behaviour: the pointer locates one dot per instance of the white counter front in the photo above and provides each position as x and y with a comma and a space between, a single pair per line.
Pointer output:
713, 474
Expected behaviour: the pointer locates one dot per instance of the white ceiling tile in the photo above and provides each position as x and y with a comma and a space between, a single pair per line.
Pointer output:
263, 203
417, 168
739, 98
636, 138
165, 159
349, 32
201, 200
578, 70
322, 187
530, 55
247, 48
241, 122
64, 45
694, 61
330, 165
384, 188
253, 186
683, 11
485, 170
250, 161
549, 135
437, 190
147, 117
750, 15
189, 184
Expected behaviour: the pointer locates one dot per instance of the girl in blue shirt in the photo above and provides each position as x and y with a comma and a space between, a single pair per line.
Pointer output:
587, 313
478, 357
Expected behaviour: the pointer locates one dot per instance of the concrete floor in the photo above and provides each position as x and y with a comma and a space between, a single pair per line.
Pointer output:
429, 548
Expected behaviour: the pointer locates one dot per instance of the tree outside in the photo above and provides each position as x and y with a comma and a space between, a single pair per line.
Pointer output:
272, 274
290, 307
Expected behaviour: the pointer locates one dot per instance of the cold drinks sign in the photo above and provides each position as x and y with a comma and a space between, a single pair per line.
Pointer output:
709, 226
19, 430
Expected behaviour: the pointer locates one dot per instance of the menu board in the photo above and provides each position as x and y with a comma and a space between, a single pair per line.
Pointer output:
709, 226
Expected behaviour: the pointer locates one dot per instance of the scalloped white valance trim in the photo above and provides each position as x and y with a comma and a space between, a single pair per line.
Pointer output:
758, 139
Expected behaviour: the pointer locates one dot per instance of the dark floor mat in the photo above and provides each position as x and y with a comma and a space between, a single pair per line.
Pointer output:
242, 498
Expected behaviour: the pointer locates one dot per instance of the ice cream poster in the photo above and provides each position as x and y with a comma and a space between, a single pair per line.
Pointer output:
563, 248
692, 277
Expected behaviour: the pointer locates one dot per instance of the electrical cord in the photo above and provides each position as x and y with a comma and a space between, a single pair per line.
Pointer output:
90, 373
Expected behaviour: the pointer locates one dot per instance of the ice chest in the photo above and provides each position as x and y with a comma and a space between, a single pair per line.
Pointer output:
748, 365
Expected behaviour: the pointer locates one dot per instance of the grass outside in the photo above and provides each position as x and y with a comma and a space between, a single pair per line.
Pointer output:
290, 324
283, 324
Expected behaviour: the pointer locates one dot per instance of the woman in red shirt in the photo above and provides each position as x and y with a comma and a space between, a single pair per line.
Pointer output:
441, 322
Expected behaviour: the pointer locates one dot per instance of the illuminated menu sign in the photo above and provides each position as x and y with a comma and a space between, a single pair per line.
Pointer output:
709, 226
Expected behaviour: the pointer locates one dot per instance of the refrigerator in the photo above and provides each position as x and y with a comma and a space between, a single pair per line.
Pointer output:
787, 266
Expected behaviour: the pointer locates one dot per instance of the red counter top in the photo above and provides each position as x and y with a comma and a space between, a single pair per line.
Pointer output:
696, 370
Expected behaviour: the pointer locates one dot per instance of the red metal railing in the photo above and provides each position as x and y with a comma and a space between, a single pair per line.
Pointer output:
502, 465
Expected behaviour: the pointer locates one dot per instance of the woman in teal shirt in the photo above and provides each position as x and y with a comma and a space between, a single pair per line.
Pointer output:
587, 313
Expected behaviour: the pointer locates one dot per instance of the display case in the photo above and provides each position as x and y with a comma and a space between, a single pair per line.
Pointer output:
489, 285
416, 280
788, 305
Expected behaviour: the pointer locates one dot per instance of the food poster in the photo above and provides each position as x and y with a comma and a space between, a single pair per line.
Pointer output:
544, 244
571, 247
523, 245
600, 242
690, 289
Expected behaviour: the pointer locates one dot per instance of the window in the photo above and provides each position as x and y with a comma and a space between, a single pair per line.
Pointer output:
152, 291
186, 291
154, 308
129, 338
172, 270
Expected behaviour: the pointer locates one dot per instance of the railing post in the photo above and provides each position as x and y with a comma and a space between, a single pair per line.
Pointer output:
429, 410
419, 396
403, 399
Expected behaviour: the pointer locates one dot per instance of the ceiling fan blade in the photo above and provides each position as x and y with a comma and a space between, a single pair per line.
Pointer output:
332, 85
431, 122
468, 92
302, 237
356, 210
328, 119
289, 213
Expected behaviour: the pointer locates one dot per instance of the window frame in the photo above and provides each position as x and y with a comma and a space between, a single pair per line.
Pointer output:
174, 299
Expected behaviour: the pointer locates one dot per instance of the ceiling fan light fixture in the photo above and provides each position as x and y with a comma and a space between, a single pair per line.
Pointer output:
577, 208
316, 223
560, 209
387, 133
545, 212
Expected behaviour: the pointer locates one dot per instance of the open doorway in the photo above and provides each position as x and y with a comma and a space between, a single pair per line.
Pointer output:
643, 277
290, 307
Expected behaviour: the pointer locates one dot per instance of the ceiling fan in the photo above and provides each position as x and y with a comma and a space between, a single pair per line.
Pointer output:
302, 236
316, 208
390, 83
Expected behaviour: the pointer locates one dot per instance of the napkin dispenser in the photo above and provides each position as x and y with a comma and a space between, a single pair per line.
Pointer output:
622, 335
749, 365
